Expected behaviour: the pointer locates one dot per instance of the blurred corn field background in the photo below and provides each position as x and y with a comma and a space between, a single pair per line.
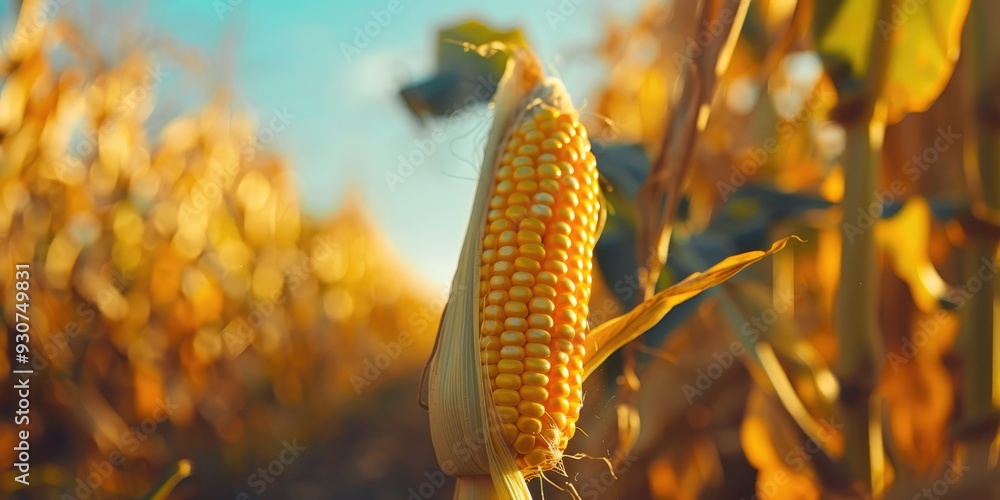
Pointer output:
197, 333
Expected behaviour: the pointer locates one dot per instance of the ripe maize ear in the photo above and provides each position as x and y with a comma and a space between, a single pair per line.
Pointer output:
459, 397
514, 345
535, 280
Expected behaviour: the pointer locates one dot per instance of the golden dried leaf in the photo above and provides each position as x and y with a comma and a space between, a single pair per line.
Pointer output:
613, 334
906, 239
924, 46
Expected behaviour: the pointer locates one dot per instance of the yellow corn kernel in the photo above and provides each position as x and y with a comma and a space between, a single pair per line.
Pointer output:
511, 431
524, 443
528, 237
515, 324
540, 321
510, 366
530, 409
512, 338
540, 305
491, 343
529, 425
558, 419
509, 414
512, 352
513, 382
535, 457
537, 335
537, 350
523, 279
491, 357
520, 293
537, 365
538, 379
527, 264
507, 397
536, 279
534, 393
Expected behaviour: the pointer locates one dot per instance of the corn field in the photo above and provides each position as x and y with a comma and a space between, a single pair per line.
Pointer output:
656, 249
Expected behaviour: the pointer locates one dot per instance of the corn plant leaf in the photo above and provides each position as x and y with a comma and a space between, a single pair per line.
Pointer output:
941, 209
906, 238
742, 225
623, 168
769, 437
824, 14
920, 402
454, 46
612, 335
749, 214
924, 39
435, 96
780, 358
464, 77
178, 472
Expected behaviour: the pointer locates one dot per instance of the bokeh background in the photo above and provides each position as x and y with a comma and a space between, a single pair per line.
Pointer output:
236, 275
346, 124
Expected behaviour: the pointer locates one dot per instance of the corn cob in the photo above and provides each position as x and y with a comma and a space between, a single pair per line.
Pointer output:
509, 361
535, 282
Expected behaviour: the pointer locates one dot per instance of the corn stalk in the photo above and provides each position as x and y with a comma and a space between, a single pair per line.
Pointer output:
670, 170
977, 342
858, 364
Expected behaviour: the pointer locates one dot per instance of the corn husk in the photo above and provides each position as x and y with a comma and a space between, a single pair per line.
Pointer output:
466, 443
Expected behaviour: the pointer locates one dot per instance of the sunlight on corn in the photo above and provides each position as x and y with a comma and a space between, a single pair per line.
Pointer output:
535, 282
514, 345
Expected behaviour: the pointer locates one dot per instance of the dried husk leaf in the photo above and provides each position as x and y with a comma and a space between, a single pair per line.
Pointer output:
461, 415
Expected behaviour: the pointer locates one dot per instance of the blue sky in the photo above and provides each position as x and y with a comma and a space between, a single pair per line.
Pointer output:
349, 126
